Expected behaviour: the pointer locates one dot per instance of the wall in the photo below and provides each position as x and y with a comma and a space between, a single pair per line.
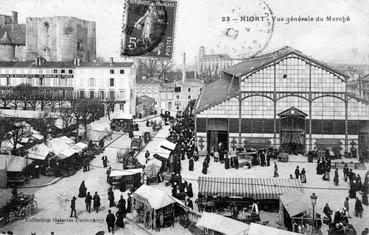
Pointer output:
7, 52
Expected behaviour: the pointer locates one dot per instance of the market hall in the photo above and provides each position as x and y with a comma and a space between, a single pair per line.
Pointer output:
281, 99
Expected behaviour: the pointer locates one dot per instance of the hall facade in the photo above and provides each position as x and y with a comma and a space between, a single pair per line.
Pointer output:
283, 99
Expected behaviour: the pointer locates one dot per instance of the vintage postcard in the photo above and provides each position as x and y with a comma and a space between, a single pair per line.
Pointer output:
184, 117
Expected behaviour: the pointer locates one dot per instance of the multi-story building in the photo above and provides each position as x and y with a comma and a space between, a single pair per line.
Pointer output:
212, 64
57, 38
359, 86
149, 87
112, 82
175, 96
285, 99
12, 37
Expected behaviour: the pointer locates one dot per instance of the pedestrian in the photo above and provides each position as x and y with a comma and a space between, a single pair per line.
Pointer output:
105, 160
73, 207
297, 172
276, 170
82, 190
147, 154
122, 205
88, 201
346, 205
365, 198
262, 158
97, 203
111, 197
336, 177
190, 164
345, 171
190, 203
189, 190
303, 175
108, 171
269, 155
226, 162
120, 219
110, 221
365, 232
236, 163
327, 211
358, 208
129, 203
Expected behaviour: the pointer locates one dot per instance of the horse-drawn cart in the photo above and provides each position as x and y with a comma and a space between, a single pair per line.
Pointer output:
17, 207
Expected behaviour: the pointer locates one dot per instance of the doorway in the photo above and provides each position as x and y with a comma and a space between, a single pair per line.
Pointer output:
217, 133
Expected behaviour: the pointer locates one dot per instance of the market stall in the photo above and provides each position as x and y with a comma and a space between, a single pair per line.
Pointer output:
15, 168
214, 224
166, 144
121, 121
242, 192
126, 179
155, 208
68, 161
152, 169
41, 155
162, 155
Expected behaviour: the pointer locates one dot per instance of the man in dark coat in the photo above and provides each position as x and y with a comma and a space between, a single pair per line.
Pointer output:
73, 207
269, 155
190, 164
105, 160
297, 172
97, 203
190, 203
327, 211
236, 163
262, 158
129, 203
110, 221
189, 190
226, 162
120, 219
122, 204
108, 171
88, 201
358, 208
111, 197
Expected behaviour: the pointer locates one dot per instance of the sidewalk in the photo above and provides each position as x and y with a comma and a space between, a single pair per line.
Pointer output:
146, 118
42, 184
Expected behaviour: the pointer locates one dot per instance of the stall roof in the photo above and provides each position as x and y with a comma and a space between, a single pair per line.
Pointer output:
162, 152
121, 115
154, 197
66, 153
295, 202
67, 140
116, 173
38, 152
222, 224
256, 188
13, 163
57, 145
168, 145
257, 229
80, 146
37, 136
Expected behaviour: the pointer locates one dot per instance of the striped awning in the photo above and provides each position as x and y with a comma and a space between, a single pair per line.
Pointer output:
255, 188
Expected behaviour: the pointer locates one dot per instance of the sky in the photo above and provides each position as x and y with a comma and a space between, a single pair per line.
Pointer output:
198, 22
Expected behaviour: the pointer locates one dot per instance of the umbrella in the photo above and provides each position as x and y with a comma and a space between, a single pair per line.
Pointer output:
152, 168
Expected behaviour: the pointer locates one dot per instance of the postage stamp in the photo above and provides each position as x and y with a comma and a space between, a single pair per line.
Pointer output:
148, 28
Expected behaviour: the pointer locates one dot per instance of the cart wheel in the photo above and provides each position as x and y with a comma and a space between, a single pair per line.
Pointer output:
34, 206
22, 213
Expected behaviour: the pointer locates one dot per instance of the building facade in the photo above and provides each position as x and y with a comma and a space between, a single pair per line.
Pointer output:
284, 98
112, 82
149, 87
175, 96
212, 64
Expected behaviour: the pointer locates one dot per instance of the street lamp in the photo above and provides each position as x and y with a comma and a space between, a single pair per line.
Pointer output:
313, 198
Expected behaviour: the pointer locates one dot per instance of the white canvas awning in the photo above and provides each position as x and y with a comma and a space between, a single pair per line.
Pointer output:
295, 202
161, 152
38, 152
257, 229
168, 145
222, 224
119, 173
66, 153
13, 163
121, 115
155, 198
80, 146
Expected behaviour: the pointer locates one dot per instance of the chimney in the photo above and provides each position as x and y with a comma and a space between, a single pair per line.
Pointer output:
14, 17
184, 69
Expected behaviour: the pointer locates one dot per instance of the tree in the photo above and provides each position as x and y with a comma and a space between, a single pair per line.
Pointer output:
5, 128
18, 131
67, 116
24, 93
150, 67
44, 124
87, 111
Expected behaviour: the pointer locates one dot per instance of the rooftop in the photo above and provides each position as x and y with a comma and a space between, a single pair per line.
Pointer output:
16, 33
62, 64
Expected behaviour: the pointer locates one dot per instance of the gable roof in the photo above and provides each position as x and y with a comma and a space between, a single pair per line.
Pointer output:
145, 100
292, 112
17, 33
5, 39
224, 88
222, 224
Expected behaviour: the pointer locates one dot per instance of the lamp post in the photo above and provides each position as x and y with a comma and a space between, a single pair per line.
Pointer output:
313, 198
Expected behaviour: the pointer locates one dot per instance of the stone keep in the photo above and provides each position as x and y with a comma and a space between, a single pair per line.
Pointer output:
60, 38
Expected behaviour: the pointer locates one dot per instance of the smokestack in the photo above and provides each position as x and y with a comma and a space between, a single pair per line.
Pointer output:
111, 60
14, 17
184, 69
